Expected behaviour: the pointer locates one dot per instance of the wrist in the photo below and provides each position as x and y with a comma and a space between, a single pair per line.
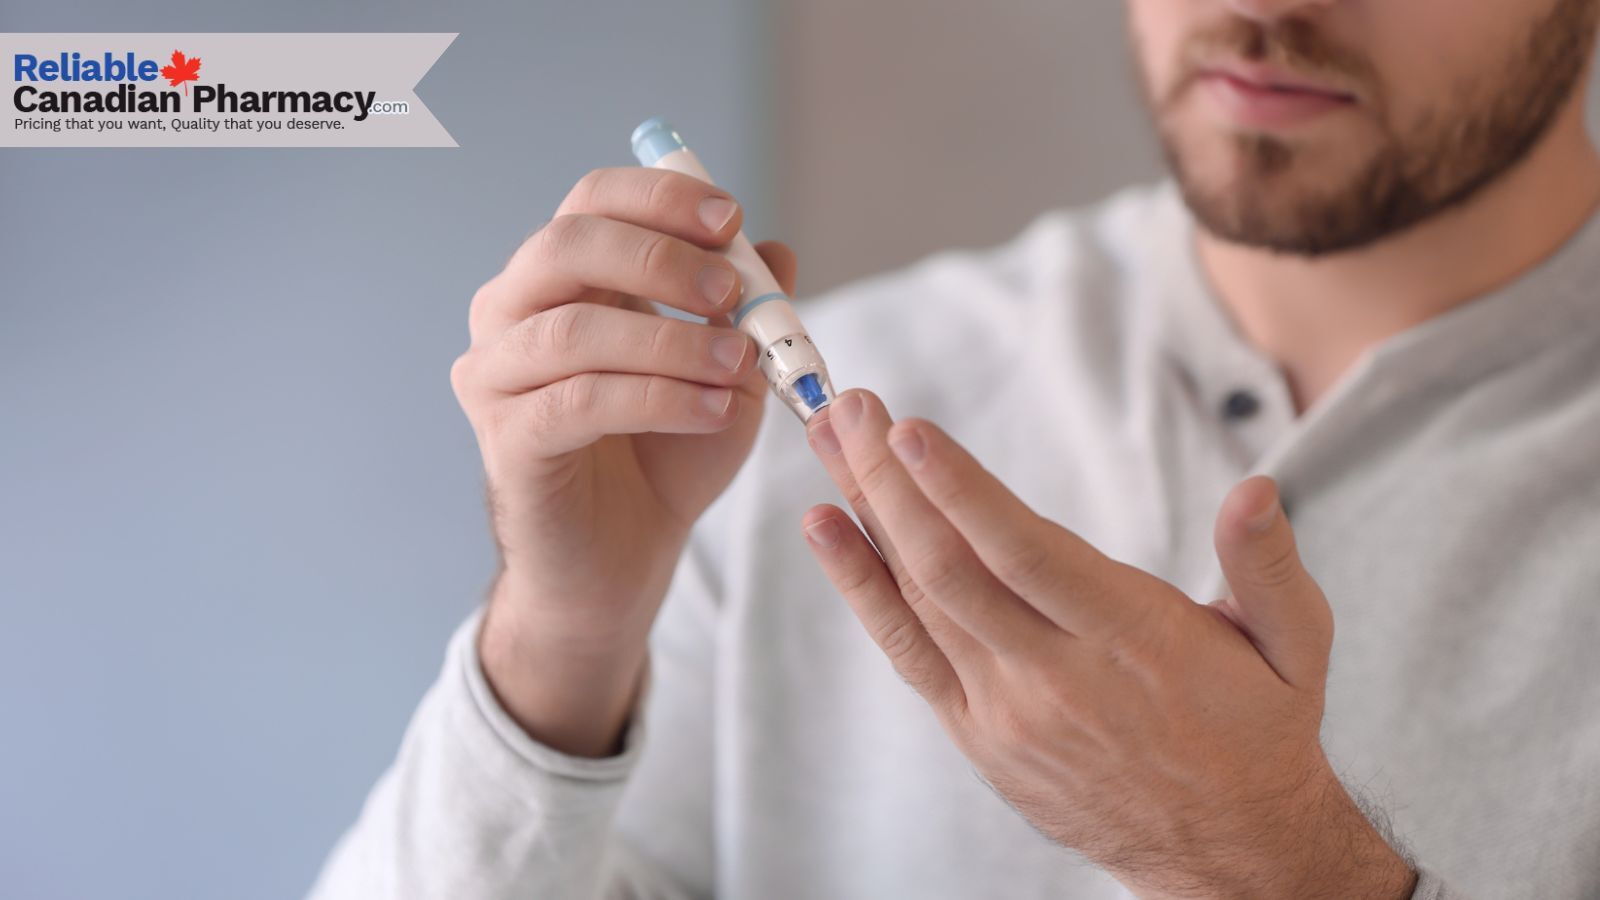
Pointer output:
1328, 848
593, 619
569, 687
1355, 858
1313, 843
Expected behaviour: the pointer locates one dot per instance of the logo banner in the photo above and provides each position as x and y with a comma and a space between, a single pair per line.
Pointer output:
219, 90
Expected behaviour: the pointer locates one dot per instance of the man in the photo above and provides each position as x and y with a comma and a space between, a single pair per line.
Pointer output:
1342, 369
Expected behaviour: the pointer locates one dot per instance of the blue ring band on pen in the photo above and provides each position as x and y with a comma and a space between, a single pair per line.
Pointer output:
745, 309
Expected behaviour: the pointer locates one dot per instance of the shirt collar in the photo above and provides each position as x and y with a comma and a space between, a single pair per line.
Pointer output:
1550, 304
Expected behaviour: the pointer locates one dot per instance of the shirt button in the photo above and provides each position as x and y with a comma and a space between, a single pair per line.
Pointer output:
1240, 404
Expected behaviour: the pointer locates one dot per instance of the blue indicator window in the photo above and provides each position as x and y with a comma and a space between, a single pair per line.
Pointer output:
810, 390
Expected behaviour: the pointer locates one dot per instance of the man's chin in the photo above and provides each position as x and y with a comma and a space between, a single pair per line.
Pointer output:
1277, 219
1276, 198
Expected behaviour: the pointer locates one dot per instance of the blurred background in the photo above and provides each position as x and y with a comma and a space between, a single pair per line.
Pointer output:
239, 510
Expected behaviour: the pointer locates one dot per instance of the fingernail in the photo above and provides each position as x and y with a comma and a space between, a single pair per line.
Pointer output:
729, 350
824, 533
716, 400
823, 438
846, 411
909, 446
716, 283
1262, 521
716, 212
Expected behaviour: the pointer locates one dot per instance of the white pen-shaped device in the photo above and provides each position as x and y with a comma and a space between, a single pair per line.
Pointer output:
788, 358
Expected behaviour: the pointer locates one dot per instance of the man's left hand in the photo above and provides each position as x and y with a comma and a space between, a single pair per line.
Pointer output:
1173, 743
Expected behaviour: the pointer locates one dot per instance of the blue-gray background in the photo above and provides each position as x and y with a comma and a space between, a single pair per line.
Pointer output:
239, 510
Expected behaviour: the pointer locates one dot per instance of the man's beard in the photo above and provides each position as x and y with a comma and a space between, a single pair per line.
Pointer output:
1440, 159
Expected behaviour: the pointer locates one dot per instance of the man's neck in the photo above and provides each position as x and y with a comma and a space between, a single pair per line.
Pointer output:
1315, 317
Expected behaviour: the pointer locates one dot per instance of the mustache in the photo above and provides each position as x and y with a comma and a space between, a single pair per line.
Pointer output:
1294, 45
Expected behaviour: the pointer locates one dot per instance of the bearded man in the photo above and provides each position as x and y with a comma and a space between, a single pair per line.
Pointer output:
1340, 368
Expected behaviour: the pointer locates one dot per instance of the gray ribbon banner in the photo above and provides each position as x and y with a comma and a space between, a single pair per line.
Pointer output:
218, 90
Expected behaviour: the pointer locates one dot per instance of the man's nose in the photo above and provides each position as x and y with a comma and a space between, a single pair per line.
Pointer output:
1273, 10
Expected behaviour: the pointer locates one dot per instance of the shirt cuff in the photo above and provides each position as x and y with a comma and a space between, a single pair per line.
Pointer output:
1431, 887
499, 741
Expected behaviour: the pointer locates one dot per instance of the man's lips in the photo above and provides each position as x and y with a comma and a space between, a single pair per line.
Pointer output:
1261, 97
1266, 78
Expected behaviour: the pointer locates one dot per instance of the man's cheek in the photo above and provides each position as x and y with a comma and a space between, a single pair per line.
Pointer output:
1149, 29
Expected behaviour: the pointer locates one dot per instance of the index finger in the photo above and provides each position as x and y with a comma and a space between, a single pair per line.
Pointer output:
660, 200
954, 641
932, 551
1047, 565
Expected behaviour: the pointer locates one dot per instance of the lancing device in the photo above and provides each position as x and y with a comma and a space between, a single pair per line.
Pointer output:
788, 358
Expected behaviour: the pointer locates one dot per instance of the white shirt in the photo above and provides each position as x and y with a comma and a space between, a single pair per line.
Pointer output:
1444, 494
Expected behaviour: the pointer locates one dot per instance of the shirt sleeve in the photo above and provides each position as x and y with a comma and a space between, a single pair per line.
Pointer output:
472, 807
1432, 887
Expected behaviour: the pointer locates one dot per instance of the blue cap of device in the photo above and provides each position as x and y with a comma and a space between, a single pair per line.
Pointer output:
653, 139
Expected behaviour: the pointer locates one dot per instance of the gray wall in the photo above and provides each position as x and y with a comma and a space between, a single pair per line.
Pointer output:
907, 126
239, 509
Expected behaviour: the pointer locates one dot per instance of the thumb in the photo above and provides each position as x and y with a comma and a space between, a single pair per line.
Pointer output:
781, 260
1275, 600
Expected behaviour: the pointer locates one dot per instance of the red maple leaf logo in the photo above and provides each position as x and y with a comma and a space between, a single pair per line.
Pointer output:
181, 71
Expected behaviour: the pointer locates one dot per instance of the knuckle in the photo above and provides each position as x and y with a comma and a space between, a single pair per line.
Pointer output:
579, 395
916, 596
876, 474
653, 394
529, 245
937, 569
585, 190
1024, 562
478, 306
855, 581
561, 237
908, 586
660, 193
1138, 636
662, 338
461, 375
953, 492
554, 332
1278, 569
900, 641
653, 255
853, 494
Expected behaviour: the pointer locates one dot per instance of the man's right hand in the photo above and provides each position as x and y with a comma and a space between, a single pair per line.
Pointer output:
606, 430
